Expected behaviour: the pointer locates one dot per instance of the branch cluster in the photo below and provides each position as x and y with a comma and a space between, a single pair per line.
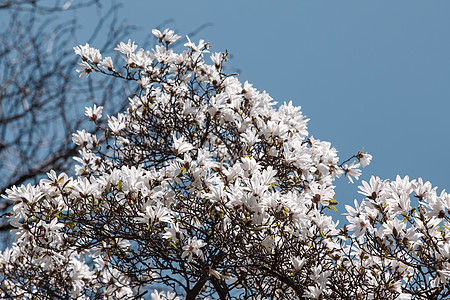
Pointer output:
40, 101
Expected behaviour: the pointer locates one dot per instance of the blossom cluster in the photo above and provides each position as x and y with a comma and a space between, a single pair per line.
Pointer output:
406, 241
206, 187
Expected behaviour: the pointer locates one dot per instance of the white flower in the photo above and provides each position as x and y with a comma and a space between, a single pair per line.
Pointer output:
372, 189
54, 179
84, 188
168, 35
297, 263
163, 55
107, 64
193, 247
321, 193
394, 228
250, 136
80, 274
364, 159
196, 48
180, 145
85, 69
158, 34
127, 48
156, 295
155, 215
53, 226
314, 292
319, 276
116, 124
141, 59
83, 51
217, 59
398, 204
359, 221
94, 113
88, 53
144, 82
352, 171
95, 56
81, 138
172, 232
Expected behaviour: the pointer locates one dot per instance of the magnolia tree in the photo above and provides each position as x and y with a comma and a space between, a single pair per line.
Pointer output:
203, 188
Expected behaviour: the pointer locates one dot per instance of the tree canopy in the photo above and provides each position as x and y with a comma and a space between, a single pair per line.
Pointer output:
204, 188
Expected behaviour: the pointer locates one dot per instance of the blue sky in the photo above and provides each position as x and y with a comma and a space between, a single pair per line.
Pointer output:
372, 74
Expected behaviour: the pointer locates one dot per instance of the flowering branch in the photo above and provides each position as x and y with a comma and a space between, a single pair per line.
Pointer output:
206, 188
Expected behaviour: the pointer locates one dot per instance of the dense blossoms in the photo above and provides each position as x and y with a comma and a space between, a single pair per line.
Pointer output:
202, 188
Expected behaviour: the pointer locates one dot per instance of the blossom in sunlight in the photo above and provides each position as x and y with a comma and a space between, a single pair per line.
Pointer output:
158, 34
196, 48
81, 138
372, 189
217, 59
96, 56
107, 64
364, 159
88, 54
193, 247
79, 274
53, 226
127, 48
160, 295
85, 69
359, 221
94, 113
321, 193
168, 35
144, 82
297, 263
83, 51
394, 227
172, 232
155, 214
116, 124
352, 171
180, 145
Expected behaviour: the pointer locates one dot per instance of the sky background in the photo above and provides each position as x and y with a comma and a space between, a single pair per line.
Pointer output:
372, 74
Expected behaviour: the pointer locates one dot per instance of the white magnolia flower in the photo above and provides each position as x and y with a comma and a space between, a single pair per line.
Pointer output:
94, 113
180, 145
81, 138
297, 263
155, 214
116, 124
352, 171
107, 64
217, 59
168, 35
364, 159
196, 48
83, 51
85, 69
394, 228
127, 48
193, 247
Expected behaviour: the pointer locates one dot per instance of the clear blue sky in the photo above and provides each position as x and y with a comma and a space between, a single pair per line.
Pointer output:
372, 74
